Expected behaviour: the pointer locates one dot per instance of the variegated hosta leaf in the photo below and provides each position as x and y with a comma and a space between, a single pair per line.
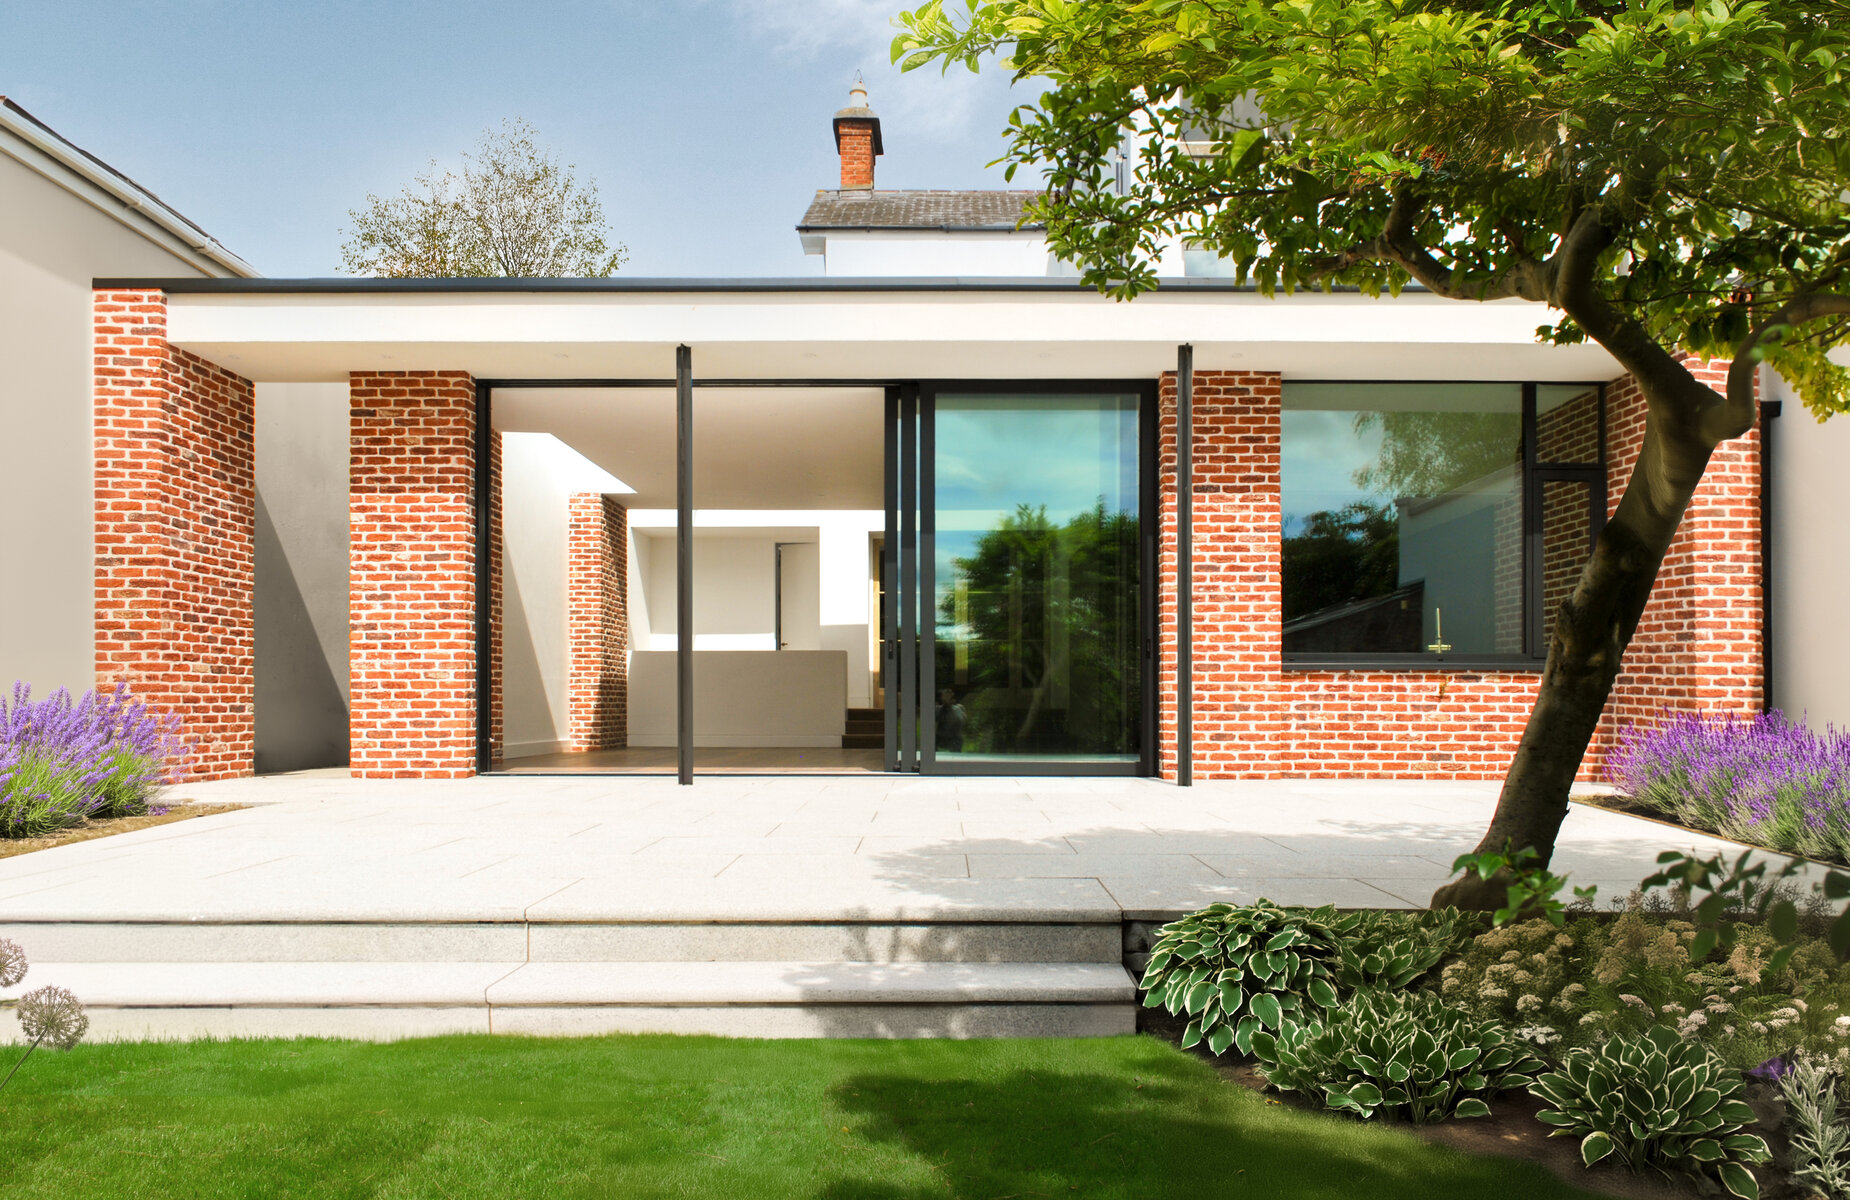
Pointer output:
1655, 1100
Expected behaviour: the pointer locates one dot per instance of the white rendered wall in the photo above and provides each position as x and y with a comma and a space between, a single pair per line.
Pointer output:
1811, 563
301, 594
52, 244
933, 253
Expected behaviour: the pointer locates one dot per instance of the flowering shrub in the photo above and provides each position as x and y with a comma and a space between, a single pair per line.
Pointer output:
1592, 980
102, 755
1765, 780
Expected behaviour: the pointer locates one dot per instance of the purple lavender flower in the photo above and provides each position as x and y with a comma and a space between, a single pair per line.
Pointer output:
1765, 779
1771, 1071
104, 754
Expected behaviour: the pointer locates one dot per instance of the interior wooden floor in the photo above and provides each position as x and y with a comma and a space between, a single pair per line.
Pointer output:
722, 760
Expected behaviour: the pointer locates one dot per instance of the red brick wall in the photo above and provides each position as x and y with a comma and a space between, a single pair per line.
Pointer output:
412, 574
854, 139
1238, 600
1698, 645
597, 623
1255, 719
175, 522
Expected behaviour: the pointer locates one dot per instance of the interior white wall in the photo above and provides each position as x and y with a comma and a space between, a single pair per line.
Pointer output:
734, 601
52, 245
802, 597
536, 517
1811, 562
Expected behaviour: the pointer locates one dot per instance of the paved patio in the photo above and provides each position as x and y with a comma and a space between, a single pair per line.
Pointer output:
766, 906
493, 848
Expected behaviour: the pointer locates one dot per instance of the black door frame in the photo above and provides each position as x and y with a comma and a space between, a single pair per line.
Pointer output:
910, 442
915, 709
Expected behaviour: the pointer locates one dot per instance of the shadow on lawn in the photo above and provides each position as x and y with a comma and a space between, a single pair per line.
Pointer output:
1028, 1134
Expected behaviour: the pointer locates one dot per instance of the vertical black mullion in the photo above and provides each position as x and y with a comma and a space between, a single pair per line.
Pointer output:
1533, 636
908, 576
1149, 501
1769, 411
484, 584
928, 580
684, 562
889, 585
1185, 566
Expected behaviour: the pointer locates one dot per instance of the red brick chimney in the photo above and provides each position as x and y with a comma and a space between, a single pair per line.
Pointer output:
857, 139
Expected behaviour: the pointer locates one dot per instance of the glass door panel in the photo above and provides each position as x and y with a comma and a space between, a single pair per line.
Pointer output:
1031, 592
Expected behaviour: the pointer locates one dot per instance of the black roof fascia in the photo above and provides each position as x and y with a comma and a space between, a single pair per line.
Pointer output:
947, 283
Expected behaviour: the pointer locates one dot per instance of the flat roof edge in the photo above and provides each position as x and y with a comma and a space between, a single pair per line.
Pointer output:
336, 286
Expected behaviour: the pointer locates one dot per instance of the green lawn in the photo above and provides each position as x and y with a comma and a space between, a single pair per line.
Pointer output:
660, 1116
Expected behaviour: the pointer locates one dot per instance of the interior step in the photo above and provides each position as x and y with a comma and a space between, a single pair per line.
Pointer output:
867, 714
755, 999
863, 741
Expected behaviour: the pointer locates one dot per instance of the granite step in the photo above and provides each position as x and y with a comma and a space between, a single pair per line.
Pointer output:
851, 941
384, 1000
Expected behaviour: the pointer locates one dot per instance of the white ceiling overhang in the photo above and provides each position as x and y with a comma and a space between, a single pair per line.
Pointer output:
947, 330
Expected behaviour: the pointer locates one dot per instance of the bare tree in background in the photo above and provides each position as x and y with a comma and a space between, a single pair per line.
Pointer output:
512, 211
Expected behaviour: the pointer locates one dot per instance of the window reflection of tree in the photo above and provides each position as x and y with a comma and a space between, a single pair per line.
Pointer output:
1039, 628
1351, 554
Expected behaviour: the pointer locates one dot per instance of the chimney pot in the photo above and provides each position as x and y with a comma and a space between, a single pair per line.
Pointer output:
857, 140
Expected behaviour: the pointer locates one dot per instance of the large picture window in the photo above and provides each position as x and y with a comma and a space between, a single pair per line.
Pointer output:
1434, 523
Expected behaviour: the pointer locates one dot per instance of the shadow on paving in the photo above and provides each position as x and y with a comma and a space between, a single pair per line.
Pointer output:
1026, 1134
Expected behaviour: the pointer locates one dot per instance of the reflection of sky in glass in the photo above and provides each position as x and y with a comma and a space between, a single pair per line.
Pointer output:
1066, 452
1320, 454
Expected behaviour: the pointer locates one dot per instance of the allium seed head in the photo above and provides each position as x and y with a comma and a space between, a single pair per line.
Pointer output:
52, 1015
12, 962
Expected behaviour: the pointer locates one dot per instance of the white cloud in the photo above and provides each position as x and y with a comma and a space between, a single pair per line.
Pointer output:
858, 34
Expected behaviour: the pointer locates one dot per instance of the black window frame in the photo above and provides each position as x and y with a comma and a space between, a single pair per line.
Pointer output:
1534, 474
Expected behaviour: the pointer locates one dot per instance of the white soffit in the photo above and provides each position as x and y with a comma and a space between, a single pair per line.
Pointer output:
888, 335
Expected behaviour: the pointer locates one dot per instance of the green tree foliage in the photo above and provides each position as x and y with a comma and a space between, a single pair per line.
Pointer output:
1049, 625
1667, 176
512, 211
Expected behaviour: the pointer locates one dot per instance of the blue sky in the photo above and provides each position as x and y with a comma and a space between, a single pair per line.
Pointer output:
705, 123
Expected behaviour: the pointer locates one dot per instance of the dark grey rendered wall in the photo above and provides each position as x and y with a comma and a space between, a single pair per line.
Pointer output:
301, 597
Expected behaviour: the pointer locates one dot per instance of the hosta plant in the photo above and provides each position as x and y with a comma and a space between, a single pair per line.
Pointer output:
1400, 1055
1235, 971
1392, 949
1655, 1101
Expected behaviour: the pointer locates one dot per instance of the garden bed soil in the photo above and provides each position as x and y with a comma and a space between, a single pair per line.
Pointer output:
181, 811
1510, 1131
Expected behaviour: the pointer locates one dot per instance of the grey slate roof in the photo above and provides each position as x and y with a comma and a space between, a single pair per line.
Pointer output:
855, 209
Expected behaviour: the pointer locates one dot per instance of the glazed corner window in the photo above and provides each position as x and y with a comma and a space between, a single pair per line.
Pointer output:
1434, 522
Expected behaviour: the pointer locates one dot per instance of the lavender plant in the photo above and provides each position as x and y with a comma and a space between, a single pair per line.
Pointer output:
1766, 780
62, 761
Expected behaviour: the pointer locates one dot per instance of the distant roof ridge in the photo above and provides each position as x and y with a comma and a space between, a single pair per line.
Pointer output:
13, 106
918, 208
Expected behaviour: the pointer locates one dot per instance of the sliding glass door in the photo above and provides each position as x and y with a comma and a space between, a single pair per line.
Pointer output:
1031, 591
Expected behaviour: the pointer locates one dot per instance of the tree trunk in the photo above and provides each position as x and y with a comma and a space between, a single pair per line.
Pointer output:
1590, 635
